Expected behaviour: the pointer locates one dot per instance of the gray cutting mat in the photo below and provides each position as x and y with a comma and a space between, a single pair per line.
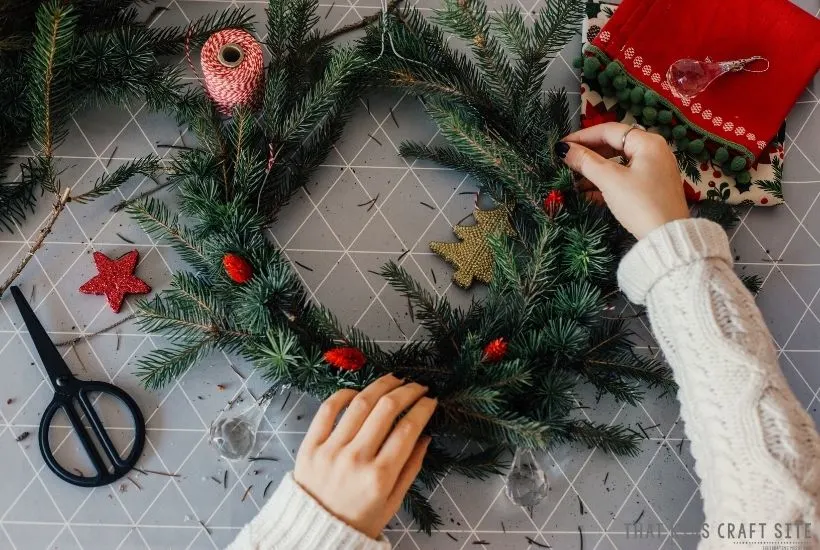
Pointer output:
339, 242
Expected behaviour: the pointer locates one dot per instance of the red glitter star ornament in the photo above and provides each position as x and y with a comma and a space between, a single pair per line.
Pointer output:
116, 279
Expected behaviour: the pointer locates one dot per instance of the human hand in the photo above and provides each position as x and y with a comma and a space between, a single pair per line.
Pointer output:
643, 195
361, 469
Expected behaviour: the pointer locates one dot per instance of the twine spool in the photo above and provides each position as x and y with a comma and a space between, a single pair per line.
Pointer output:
232, 69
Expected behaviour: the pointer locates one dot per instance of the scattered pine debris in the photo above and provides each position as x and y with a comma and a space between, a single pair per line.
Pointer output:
374, 139
245, 495
9, 401
225, 480
131, 479
263, 458
536, 543
129, 241
303, 266
477, 542
367, 104
393, 116
581, 536
503, 528
215, 480
433, 273
220, 387
646, 435
451, 536
403, 254
330, 9
606, 477
680, 446
236, 370
204, 527
148, 22
430, 206
117, 347
31, 296
22, 437
580, 504
114, 152
652, 427
265, 492
410, 310
287, 398
638, 518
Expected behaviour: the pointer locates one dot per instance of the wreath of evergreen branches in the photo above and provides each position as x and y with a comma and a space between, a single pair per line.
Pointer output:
551, 284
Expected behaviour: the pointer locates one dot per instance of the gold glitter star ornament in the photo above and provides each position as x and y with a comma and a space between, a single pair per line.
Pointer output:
472, 256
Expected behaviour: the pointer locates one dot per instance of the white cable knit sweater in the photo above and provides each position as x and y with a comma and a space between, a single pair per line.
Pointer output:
756, 450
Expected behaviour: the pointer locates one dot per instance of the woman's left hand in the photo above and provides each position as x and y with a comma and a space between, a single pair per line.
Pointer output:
360, 468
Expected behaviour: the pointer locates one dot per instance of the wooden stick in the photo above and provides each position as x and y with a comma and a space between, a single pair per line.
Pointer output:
86, 336
59, 206
362, 23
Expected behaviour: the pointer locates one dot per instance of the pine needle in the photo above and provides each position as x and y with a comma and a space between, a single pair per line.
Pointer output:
245, 495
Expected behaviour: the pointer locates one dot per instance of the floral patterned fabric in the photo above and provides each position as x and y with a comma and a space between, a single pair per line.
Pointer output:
701, 179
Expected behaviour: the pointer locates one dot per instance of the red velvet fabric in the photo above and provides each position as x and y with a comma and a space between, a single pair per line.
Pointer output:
746, 109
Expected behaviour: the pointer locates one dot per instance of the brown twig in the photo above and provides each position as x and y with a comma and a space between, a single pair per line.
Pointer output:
59, 206
146, 472
245, 495
86, 336
362, 23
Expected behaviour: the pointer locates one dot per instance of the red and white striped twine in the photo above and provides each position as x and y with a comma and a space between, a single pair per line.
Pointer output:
229, 86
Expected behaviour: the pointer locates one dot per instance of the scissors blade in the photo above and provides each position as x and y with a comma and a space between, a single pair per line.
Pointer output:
49, 355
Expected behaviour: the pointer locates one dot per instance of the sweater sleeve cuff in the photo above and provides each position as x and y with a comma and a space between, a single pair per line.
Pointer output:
294, 520
667, 248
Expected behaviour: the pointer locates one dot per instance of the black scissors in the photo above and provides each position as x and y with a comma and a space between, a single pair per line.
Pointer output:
70, 392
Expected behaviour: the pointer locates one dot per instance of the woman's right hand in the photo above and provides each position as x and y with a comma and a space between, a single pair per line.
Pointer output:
360, 467
643, 195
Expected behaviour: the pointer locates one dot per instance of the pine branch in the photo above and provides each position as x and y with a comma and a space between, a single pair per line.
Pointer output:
421, 510
148, 166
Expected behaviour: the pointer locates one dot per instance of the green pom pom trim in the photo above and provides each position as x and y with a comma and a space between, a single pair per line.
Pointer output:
665, 116
738, 164
744, 177
666, 132
624, 103
696, 146
578, 62
721, 155
703, 156
651, 98
683, 144
622, 94
679, 131
620, 82
613, 69
636, 110
604, 79
592, 64
637, 95
650, 112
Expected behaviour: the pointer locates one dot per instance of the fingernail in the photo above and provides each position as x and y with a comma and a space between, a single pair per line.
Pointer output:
561, 149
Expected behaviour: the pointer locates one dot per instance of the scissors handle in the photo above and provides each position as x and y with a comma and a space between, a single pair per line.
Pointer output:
66, 402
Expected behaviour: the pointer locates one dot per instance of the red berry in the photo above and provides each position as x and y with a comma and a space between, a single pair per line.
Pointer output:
764, 200
716, 174
495, 350
711, 184
345, 358
553, 202
238, 269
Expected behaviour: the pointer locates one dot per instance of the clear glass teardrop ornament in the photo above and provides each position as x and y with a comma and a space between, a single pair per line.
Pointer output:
233, 435
689, 77
526, 484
